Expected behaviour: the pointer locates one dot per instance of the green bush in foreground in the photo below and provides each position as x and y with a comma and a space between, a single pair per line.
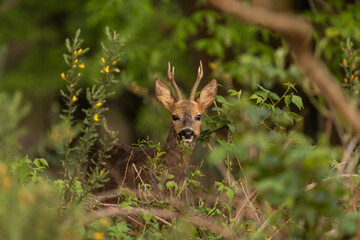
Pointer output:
276, 182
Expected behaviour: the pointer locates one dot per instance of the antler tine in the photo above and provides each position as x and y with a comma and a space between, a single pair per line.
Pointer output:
197, 82
171, 77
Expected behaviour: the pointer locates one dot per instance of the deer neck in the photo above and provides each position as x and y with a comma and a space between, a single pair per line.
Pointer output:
177, 157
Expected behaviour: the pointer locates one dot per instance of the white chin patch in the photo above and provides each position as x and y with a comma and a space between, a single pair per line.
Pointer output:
188, 140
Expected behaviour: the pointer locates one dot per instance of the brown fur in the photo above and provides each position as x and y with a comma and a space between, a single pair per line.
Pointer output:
129, 166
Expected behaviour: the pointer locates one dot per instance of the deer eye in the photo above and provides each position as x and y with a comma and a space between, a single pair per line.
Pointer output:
198, 117
175, 117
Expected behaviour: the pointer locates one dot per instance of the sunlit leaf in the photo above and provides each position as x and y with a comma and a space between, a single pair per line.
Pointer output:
297, 100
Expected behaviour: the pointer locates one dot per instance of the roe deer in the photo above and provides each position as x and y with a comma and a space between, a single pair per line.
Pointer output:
129, 165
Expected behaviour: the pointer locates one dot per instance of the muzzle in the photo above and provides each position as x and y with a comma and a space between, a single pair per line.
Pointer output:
187, 135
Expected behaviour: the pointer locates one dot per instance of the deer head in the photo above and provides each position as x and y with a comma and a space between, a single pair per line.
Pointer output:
186, 114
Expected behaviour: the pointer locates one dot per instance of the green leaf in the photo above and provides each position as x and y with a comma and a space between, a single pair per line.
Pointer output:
119, 231
259, 100
296, 117
124, 205
263, 94
278, 111
274, 96
230, 193
172, 184
169, 176
287, 100
40, 162
297, 100
290, 85
232, 92
217, 155
288, 117
332, 32
220, 99
147, 217
254, 96
220, 185
67, 44
231, 127
264, 89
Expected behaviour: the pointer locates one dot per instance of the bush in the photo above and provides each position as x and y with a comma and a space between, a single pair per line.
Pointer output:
274, 181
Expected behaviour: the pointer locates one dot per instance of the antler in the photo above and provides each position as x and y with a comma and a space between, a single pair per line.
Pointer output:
198, 79
171, 78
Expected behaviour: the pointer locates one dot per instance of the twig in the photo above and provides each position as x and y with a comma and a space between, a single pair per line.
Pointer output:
228, 158
262, 227
352, 163
162, 220
127, 164
338, 127
250, 203
347, 154
135, 221
276, 232
138, 173
242, 207
313, 7
212, 131
312, 185
199, 221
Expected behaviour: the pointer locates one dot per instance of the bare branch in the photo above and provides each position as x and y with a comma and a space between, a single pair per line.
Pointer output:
199, 221
298, 33
126, 168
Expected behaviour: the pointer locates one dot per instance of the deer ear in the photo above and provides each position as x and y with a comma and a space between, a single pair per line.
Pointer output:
207, 95
163, 94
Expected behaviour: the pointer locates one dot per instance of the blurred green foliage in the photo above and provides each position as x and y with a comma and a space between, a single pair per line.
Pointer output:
296, 186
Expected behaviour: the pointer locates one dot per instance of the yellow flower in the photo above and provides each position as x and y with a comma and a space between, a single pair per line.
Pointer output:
345, 80
76, 60
99, 104
103, 60
74, 66
74, 98
117, 70
96, 118
106, 69
352, 76
75, 52
102, 71
79, 74
114, 62
101, 172
80, 50
344, 62
71, 85
98, 235
63, 75
81, 65
212, 65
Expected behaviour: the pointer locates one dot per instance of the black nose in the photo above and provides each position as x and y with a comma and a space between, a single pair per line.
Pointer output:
187, 133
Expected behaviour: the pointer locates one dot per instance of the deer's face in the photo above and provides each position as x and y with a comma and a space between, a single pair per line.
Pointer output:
186, 114
186, 120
